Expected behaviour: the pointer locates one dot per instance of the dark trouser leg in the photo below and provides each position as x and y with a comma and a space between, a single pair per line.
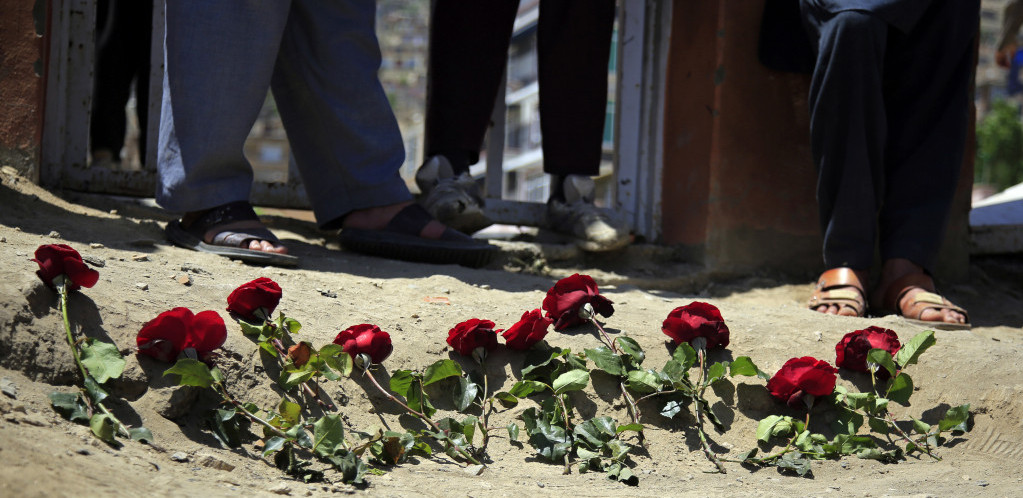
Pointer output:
468, 54
122, 54
848, 129
927, 83
573, 46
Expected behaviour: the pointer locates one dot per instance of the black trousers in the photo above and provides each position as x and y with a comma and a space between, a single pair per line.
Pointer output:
123, 34
469, 42
889, 112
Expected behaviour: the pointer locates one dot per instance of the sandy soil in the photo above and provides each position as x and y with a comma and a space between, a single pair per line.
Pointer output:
141, 275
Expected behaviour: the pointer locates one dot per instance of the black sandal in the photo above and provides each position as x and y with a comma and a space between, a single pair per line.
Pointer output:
400, 240
228, 242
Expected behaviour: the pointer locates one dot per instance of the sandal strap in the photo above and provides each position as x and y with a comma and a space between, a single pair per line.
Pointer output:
900, 286
924, 300
413, 218
227, 214
842, 287
927, 299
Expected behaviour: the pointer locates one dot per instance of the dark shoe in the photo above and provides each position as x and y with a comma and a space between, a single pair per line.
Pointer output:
454, 200
400, 240
591, 228
228, 239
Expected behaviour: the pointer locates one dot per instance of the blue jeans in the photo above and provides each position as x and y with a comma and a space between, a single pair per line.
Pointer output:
320, 58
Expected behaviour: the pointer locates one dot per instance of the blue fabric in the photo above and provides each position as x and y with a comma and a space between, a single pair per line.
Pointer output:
1014, 85
321, 61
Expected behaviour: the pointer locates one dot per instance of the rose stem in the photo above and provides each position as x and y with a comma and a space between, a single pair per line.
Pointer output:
279, 346
62, 291
634, 412
222, 391
489, 406
891, 419
607, 339
699, 416
421, 416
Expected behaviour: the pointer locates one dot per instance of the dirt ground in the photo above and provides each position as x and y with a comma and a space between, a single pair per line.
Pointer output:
141, 275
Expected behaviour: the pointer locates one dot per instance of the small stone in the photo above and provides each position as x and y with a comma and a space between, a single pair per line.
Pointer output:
83, 451
819, 336
139, 257
94, 261
215, 463
966, 477
328, 293
95, 245
190, 268
113, 211
280, 489
180, 456
982, 483
836, 488
142, 286
184, 279
7, 387
54, 234
3, 239
542, 485
142, 243
474, 470
485, 287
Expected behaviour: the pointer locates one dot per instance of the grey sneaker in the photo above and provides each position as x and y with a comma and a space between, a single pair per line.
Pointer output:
454, 200
592, 228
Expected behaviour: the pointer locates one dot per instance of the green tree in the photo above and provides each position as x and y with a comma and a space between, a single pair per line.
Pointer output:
999, 158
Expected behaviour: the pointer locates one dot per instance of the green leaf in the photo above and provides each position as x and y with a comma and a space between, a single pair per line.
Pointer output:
883, 358
524, 388
70, 405
550, 441
269, 348
619, 449
513, 431
794, 461
191, 373
674, 372
629, 427
538, 358
291, 325
506, 399
401, 381
273, 445
714, 372
290, 412
685, 355
465, 394
743, 365
94, 390
911, 351
774, 425
596, 432
417, 399
250, 328
300, 436
335, 357
102, 360
228, 427
440, 370
351, 467
292, 378
623, 474
140, 434
901, 389
921, 427
104, 427
631, 348
957, 419
328, 435
847, 422
572, 380
878, 425
643, 381
606, 360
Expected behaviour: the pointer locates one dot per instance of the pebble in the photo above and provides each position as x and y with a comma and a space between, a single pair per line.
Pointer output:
113, 211
215, 463
819, 336
142, 286
542, 485
194, 269
281, 489
94, 261
184, 279
485, 287
96, 245
83, 451
982, 483
139, 257
3, 239
54, 234
327, 293
179, 456
7, 387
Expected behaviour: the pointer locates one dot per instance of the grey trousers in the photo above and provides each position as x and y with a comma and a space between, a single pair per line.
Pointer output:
320, 58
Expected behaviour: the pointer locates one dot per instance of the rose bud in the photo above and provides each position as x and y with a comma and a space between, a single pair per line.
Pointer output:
466, 337
529, 330
255, 301
55, 260
800, 380
365, 339
174, 331
696, 320
853, 348
566, 299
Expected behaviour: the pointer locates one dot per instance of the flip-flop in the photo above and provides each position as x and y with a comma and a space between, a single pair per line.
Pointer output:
840, 287
922, 301
400, 240
227, 242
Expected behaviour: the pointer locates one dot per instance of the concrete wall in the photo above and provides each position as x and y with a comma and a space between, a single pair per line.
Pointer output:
21, 83
739, 180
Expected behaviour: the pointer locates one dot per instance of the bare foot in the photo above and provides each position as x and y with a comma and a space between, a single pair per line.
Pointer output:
253, 245
376, 218
906, 296
839, 291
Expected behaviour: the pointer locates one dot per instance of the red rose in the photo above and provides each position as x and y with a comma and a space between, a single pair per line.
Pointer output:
569, 295
801, 376
471, 334
176, 330
365, 339
261, 293
529, 330
55, 260
696, 319
853, 348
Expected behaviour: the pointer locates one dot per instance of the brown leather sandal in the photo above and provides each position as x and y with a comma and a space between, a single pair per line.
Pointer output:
895, 301
841, 287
